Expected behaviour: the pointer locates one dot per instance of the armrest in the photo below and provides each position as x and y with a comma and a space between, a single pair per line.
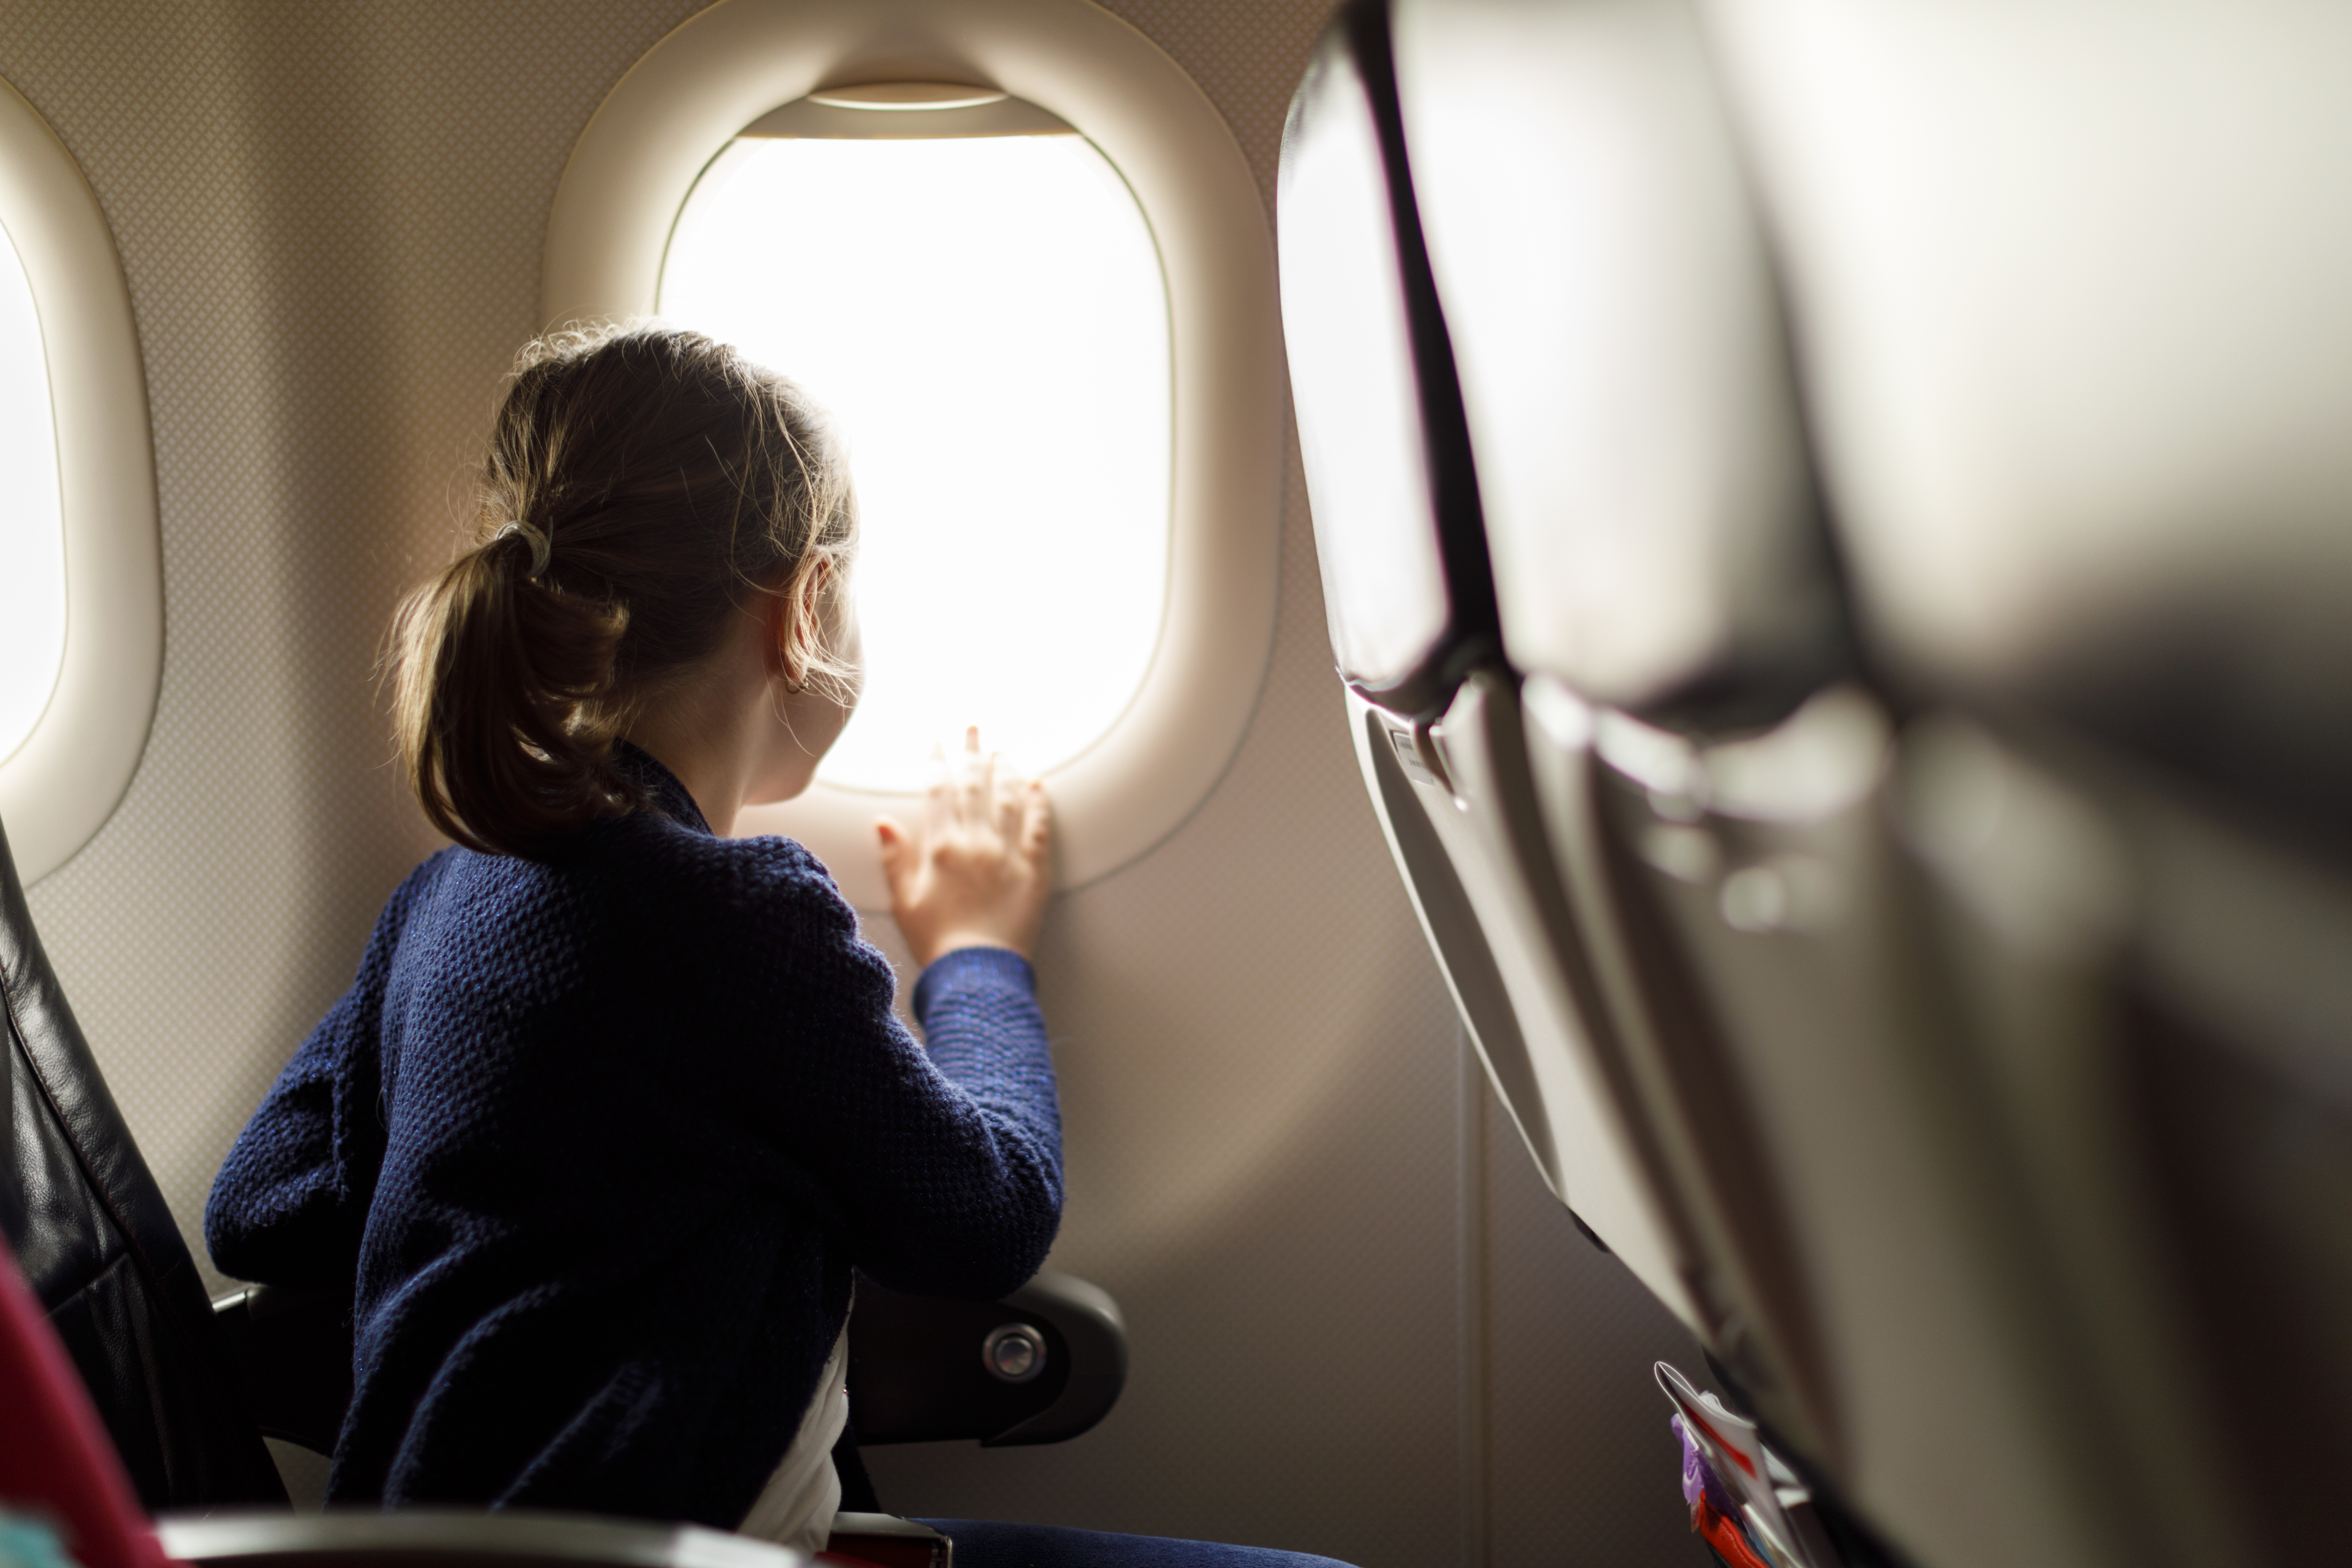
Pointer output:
1043, 1365
293, 1354
432, 1538
920, 1369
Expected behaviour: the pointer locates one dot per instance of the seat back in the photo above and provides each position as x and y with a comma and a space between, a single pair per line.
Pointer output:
1412, 597
55, 1465
2082, 376
1936, 730
1658, 545
1618, 1078
100, 1252
1710, 760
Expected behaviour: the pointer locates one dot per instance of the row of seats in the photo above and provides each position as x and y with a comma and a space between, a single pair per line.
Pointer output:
1836, 526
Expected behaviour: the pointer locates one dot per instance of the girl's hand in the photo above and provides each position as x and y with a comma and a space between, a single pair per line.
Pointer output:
975, 874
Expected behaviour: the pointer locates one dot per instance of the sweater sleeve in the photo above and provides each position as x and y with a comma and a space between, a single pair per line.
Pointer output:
980, 1015
293, 1197
944, 1166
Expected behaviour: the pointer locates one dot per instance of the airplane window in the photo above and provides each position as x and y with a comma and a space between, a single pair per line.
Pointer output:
32, 522
986, 317
1042, 308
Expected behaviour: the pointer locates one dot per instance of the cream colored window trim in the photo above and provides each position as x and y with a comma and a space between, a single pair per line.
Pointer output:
57, 789
742, 60
892, 110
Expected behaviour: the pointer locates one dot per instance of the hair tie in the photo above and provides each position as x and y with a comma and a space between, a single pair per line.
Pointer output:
541, 547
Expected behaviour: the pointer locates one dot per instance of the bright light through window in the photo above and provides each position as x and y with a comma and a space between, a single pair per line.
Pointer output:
986, 319
32, 524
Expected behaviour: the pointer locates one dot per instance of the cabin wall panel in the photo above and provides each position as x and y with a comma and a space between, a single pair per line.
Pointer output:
1581, 1465
331, 218
331, 238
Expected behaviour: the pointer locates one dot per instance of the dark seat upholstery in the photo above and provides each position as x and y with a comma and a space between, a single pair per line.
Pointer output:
63, 1480
101, 1250
920, 1368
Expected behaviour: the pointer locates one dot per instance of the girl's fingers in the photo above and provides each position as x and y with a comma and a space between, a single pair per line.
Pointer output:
1036, 820
1010, 794
898, 868
1005, 800
938, 802
969, 803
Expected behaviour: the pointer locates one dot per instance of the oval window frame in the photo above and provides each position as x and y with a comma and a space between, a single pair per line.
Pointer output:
630, 173
60, 787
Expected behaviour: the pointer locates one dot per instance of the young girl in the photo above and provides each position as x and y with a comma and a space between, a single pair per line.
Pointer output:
618, 1101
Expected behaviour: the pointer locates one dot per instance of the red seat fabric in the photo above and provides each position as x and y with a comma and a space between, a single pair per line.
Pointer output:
55, 1464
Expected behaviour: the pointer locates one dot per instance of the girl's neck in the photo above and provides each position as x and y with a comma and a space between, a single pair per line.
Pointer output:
733, 732
719, 801
707, 730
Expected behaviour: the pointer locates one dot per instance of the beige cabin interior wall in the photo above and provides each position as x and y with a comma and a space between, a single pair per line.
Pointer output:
1359, 1327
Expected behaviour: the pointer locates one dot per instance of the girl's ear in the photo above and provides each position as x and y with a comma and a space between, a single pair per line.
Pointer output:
799, 625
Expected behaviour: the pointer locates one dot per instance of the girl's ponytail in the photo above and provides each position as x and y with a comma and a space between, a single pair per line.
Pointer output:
641, 485
498, 677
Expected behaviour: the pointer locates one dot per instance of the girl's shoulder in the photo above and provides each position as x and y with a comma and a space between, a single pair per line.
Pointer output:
763, 886
766, 912
779, 876
640, 884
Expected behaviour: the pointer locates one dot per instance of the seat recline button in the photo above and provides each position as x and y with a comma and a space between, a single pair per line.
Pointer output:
1014, 1352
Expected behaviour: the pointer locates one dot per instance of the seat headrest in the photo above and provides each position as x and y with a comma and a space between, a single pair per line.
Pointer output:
1640, 455
2072, 285
1405, 578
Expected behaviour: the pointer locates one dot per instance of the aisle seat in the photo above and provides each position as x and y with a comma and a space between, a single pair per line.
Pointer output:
1904, 446
1412, 602
2080, 355
1710, 747
1623, 1091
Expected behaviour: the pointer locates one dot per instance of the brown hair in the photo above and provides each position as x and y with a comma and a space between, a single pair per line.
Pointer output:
642, 484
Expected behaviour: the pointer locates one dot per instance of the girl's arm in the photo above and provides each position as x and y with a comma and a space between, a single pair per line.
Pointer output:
941, 1169
968, 888
291, 1198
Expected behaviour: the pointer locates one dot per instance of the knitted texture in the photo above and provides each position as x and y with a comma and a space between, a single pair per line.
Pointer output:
597, 1143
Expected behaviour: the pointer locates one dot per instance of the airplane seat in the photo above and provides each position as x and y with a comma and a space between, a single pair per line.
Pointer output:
68, 1499
2082, 380
53, 1448
1707, 745
1648, 502
1411, 598
1917, 569
103, 1257
1479, 758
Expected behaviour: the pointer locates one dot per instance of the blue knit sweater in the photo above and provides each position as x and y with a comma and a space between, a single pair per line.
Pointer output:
597, 1144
